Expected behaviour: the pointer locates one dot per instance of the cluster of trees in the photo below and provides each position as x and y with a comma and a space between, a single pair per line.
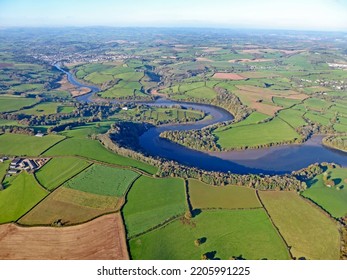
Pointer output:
16, 130
82, 110
313, 170
134, 97
177, 114
231, 103
260, 182
126, 134
198, 139
336, 142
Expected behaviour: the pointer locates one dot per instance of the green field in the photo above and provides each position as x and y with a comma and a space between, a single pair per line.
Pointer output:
292, 117
13, 103
42, 109
247, 234
333, 199
317, 104
285, 102
3, 168
161, 115
317, 118
153, 201
21, 193
70, 207
274, 131
203, 92
229, 197
103, 180
20, 144
307, 230
59, 170
253, 118
92, 149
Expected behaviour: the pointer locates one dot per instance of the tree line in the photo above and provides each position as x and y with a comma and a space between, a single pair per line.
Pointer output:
168, 168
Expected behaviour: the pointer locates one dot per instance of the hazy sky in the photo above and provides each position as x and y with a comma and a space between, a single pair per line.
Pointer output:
274, 14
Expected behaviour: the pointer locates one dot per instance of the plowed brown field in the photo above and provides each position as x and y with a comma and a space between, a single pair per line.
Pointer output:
228, 76
102, 238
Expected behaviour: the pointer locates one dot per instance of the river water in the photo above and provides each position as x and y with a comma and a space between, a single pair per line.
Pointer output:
274, 160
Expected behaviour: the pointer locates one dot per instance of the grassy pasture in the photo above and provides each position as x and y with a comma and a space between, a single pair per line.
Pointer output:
340, 127
203, 92
253, 118
27, 87
70, 206
92, 149
317, 118
285, 102
317, 104
229, 197
103, 180
65, 109
332, 199
229, 233
151, 202
162, 115
12, 103
20, 144
309, 232
87, 130
3, 168
252, 135
21, 193
42, 109
293, 117
58, 170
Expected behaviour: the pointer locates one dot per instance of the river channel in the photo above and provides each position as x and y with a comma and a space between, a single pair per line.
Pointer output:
274, 160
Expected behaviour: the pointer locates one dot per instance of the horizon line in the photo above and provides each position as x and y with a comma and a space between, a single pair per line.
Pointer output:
175, 27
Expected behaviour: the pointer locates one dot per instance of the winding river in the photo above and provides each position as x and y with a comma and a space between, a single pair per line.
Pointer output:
274, 160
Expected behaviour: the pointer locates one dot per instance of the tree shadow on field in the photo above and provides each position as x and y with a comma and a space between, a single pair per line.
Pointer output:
311, 182
212, 255
240, 257
337, 181
203, 240
196, 212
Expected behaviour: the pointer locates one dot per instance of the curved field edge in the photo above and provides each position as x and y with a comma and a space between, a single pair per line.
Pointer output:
80, 242
152, 201
309, 232
225, 234
329, 191
94, 150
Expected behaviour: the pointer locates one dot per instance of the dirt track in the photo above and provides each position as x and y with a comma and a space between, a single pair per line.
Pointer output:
102, 238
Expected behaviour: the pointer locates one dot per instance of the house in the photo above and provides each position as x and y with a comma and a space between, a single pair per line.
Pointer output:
125, 108
12, 171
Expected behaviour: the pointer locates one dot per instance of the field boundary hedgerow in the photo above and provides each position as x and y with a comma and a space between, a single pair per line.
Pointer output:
274, 225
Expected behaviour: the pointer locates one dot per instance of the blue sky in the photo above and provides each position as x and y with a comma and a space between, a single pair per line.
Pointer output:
273, 14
